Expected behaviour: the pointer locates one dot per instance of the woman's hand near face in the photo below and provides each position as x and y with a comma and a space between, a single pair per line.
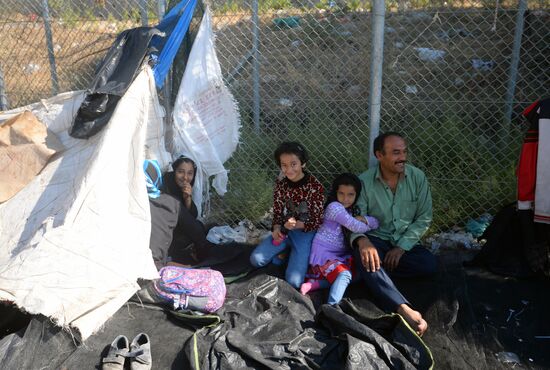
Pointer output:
187, 191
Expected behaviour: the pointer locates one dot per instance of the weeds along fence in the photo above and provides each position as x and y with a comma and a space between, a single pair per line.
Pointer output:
456, 75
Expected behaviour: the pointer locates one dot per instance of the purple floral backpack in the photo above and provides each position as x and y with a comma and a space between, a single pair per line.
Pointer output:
191, 289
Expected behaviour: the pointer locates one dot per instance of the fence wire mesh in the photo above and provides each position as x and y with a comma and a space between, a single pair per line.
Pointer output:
456, 75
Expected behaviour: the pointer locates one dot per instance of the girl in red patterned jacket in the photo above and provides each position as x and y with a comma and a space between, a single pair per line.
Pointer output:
297, 213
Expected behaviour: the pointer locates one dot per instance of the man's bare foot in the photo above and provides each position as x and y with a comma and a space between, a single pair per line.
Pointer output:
413, 318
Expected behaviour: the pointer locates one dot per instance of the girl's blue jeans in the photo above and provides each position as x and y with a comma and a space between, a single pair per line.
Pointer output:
299, 245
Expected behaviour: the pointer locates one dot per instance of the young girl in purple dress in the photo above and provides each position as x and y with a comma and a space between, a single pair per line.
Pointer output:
330, 256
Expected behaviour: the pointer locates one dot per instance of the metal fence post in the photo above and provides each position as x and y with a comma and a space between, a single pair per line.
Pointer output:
3, 96
49, 43
377, 59
256, 65
167, 87
161, 8
143, 13
510, 91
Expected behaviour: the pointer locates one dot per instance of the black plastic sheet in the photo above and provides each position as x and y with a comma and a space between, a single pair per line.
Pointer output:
113, 77
268, 324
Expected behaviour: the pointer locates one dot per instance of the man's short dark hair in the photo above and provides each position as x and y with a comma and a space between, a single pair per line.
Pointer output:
378, 145
291, 147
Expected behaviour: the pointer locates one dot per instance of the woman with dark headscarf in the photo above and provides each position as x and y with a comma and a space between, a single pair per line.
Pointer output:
176, 234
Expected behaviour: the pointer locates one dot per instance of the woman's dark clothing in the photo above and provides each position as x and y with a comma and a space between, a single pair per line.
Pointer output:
174, 227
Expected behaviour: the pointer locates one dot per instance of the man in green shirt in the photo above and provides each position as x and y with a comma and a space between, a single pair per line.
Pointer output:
399, 196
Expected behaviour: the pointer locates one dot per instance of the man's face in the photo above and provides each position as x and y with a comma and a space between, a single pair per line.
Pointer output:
393, 156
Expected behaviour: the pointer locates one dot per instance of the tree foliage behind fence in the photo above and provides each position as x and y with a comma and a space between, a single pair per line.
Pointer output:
456, 76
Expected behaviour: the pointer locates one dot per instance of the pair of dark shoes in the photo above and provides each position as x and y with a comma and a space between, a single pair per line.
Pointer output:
138, 353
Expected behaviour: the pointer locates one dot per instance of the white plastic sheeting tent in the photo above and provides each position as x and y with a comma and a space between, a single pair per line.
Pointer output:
75, 240
206, 118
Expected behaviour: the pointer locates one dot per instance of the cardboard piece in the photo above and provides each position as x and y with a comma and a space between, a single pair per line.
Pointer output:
25, 148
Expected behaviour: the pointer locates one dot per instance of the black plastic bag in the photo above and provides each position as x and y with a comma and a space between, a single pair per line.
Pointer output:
113, 77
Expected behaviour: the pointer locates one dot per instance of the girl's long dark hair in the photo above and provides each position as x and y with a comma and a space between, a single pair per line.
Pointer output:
346, 179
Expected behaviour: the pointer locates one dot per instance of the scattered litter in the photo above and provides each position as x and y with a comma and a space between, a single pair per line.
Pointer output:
524, 302
31, 68
244, 232
453, 240
520, 340
510, 314
411, 89
342, 33
287, 22
112, 27
57, 48
226, 234
458, 82
267, 78
420, 16
458, 32
530, 359
296, 43
389, 30
483, 65
286, 102
508, 358
430, 55
399, 45
477, 227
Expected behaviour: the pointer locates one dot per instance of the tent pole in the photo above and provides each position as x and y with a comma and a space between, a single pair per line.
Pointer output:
256, 65
3, 95
510, 91
143, 13
49, 43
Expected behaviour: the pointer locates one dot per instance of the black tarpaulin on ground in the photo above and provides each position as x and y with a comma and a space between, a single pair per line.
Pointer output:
267, 324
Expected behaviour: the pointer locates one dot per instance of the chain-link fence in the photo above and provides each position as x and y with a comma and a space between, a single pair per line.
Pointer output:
456, 75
